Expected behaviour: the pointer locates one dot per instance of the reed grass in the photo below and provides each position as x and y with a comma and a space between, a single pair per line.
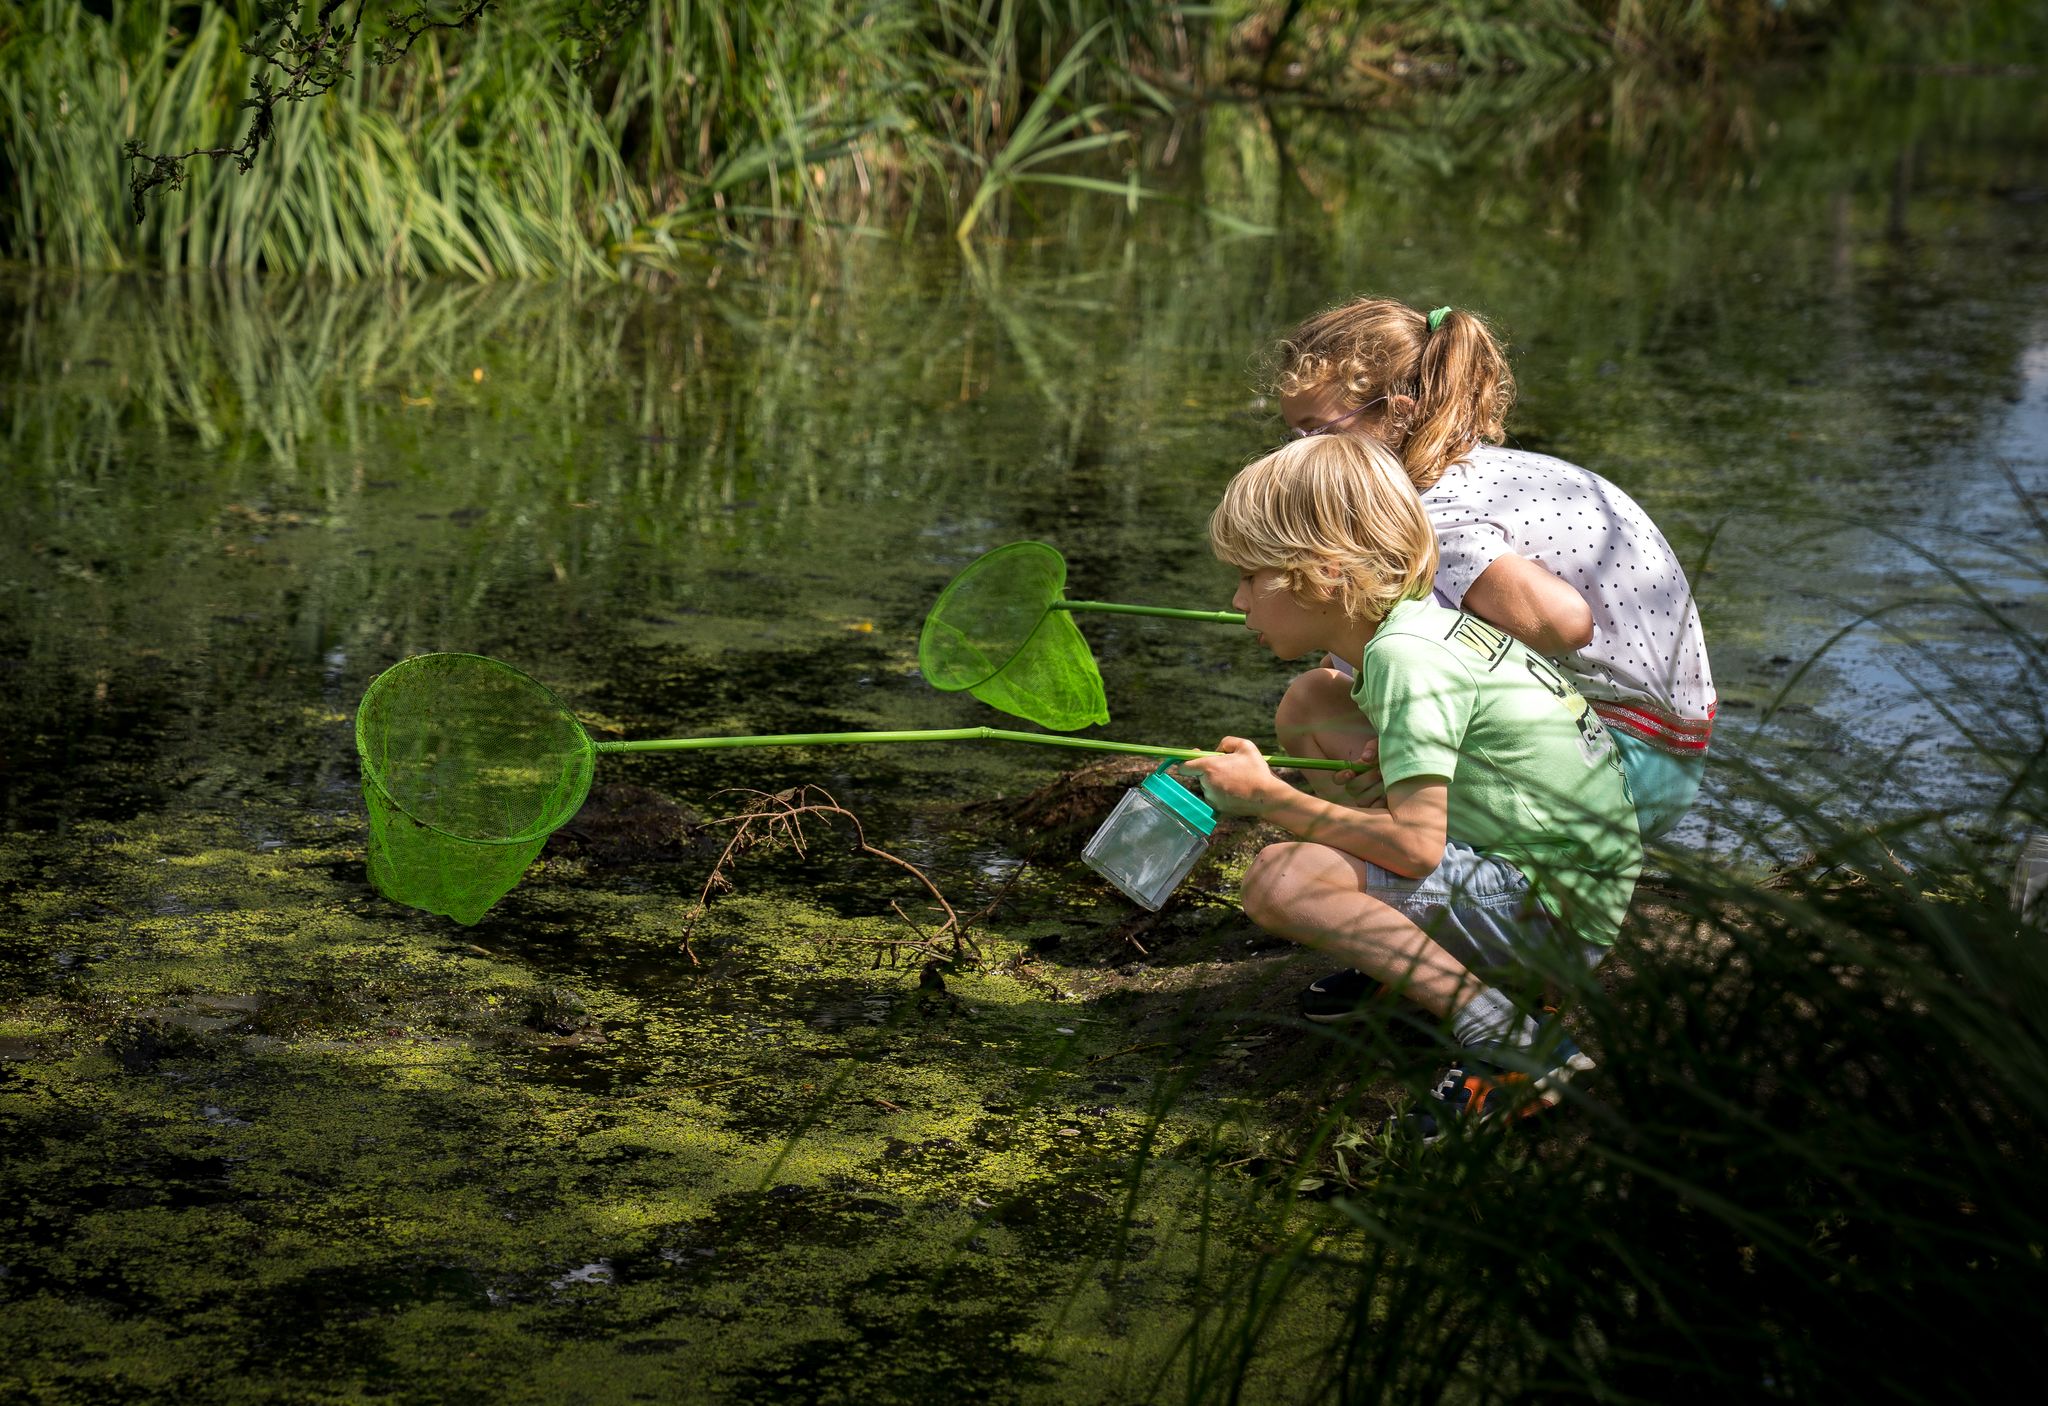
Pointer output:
510, 150
505, 151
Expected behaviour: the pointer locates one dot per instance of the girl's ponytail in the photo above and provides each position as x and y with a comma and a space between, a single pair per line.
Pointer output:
1372, 348
1463, 391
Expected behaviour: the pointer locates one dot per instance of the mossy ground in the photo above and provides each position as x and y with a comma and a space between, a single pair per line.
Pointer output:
272, 1137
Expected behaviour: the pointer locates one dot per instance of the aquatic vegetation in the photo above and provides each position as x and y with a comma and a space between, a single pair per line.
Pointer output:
242, 1090
367, 1134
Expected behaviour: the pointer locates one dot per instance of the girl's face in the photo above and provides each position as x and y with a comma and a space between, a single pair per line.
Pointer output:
1283, 621
1321, 410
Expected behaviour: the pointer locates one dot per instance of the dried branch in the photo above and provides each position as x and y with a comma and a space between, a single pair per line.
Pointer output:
1131, 927
915, 926
312, 60
777, 819
1002, 893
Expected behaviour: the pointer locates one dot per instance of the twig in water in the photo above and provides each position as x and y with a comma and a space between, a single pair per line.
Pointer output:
1128, 1049
1001, 894
915, 926
1130, 927
778, 819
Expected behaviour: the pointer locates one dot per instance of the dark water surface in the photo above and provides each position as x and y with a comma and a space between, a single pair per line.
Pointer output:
726, 508
723, 506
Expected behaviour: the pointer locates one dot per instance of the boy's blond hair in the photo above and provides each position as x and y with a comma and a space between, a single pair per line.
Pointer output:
1336, 514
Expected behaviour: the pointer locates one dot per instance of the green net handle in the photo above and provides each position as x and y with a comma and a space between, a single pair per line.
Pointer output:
950, 734
1110, 607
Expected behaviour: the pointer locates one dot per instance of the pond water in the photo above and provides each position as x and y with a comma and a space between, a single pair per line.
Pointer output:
723, 504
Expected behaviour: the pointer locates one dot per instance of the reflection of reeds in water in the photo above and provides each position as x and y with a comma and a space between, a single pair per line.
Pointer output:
590, 437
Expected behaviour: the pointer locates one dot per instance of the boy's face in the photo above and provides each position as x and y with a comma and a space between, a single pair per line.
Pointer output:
1284, 622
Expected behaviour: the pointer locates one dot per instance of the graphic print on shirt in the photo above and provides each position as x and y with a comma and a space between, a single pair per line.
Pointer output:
1493, 645
1482, 639
1594, 743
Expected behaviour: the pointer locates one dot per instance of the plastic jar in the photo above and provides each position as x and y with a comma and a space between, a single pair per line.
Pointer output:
1152, 839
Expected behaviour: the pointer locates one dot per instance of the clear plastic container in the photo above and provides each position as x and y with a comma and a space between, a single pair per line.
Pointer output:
1152, 839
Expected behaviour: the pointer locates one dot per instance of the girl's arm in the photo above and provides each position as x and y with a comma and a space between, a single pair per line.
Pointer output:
1536, 607
1406, 836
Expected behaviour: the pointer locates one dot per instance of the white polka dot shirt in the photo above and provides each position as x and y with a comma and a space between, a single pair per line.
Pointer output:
1648, 660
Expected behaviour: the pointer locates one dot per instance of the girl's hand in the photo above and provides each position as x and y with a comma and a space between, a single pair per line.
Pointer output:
1238, 781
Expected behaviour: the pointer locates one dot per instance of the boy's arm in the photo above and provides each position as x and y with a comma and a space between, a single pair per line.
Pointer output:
1407, 836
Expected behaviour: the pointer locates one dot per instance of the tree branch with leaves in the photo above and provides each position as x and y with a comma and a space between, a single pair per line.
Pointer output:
309, 59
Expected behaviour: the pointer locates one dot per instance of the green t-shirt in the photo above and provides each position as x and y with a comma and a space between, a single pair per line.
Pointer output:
1533, 777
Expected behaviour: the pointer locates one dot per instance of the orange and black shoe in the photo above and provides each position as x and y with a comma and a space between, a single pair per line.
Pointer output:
1488, 1082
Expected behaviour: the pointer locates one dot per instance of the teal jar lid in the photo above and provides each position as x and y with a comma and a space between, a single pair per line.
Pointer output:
1180, 800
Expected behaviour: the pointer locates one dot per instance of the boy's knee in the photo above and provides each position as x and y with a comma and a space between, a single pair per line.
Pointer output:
1275, 875
1313, 690
1314, 698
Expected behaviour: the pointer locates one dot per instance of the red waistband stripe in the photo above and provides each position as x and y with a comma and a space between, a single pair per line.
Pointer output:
1672, 734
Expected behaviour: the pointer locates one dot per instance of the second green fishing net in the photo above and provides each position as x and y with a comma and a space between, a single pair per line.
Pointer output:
998, 633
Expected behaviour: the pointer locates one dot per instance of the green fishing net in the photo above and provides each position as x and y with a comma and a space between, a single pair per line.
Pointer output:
997, 632
468, 767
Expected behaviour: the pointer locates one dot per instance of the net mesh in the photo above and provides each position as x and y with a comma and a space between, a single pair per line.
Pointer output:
468, 767
995, 634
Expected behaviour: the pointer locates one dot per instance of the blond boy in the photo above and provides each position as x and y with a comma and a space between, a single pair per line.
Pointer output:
1505, 840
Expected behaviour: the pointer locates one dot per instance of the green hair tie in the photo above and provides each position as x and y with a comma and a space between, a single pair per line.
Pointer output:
1436, 319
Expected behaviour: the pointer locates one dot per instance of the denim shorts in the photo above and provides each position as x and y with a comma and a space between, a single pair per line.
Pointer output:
1481, 911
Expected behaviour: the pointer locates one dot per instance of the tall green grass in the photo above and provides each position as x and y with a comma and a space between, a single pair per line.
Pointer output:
510, 150
507, 151
488, 166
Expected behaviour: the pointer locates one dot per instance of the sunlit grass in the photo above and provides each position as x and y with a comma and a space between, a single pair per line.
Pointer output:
502, 153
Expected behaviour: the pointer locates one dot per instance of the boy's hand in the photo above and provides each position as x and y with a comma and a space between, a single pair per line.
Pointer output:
1361, 784
1238, 781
